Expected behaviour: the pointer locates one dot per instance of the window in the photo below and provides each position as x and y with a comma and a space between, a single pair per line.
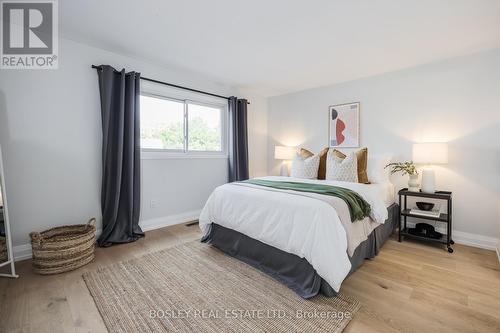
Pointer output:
204, 128
182, 127
162, 123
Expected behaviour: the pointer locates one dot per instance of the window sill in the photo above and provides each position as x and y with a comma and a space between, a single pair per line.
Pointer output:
155, 155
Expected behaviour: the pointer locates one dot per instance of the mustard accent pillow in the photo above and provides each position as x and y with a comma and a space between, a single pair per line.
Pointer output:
362, 156
304, 153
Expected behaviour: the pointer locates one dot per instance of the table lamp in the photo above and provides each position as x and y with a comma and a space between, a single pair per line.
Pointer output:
429, 153
284, 153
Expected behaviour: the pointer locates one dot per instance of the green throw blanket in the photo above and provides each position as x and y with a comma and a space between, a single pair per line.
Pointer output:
358, 207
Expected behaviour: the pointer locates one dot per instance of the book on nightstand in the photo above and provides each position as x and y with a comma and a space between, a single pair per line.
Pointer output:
428, 213
435, 212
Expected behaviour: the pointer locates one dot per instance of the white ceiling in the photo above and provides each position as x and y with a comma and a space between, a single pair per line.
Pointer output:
278, 46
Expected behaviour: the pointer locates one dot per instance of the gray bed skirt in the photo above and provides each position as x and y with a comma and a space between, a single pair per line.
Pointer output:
291, 270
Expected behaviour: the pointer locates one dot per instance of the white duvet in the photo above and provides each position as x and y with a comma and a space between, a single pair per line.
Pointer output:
303, 224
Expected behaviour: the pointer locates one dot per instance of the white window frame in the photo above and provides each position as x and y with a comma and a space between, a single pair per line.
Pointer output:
156, 90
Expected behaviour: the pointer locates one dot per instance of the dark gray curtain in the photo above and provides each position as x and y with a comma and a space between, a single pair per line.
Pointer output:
238, 140
120, 193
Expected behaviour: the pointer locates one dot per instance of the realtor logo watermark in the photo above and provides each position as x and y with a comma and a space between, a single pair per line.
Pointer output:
29, 34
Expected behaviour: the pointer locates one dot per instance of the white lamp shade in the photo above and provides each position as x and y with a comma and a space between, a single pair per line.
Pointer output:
430, 153
284, 153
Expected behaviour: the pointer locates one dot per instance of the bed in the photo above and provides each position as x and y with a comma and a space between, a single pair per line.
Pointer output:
308, 241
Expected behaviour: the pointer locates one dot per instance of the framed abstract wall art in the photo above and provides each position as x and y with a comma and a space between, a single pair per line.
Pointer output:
344, 125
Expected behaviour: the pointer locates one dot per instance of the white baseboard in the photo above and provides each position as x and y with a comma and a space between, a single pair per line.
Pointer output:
165, 221
474, 240
465, 238
23, 252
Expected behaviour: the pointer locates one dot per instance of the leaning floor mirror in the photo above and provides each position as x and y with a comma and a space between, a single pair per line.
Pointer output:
7, 268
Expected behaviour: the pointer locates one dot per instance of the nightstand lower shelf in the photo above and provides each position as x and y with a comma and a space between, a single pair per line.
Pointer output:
441, 240
441, 218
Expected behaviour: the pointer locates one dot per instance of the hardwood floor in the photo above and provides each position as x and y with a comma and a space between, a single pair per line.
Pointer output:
408, 287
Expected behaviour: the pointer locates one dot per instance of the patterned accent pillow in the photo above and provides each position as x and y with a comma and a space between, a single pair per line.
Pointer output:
322, 160
362, 156
305, 167
342, 169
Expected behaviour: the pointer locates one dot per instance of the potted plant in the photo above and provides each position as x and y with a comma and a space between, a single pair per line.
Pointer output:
409, 169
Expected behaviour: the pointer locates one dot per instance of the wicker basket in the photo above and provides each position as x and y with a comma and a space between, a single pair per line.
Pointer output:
63, 249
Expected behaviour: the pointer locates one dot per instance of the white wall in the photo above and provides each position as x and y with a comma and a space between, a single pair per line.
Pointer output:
257, 133
50, 132
457, 101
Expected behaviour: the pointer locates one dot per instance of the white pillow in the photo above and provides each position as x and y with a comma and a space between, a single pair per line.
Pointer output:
305, 168
377, 174
342, 169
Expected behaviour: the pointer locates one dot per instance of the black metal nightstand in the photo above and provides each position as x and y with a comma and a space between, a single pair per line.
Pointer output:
445, 218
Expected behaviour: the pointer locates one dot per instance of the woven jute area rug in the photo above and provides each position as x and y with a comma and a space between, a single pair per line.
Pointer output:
197, 288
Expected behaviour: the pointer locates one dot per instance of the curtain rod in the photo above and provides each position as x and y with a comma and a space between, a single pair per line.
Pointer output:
176, 86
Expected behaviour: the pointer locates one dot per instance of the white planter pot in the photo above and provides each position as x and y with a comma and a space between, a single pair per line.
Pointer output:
413, 183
